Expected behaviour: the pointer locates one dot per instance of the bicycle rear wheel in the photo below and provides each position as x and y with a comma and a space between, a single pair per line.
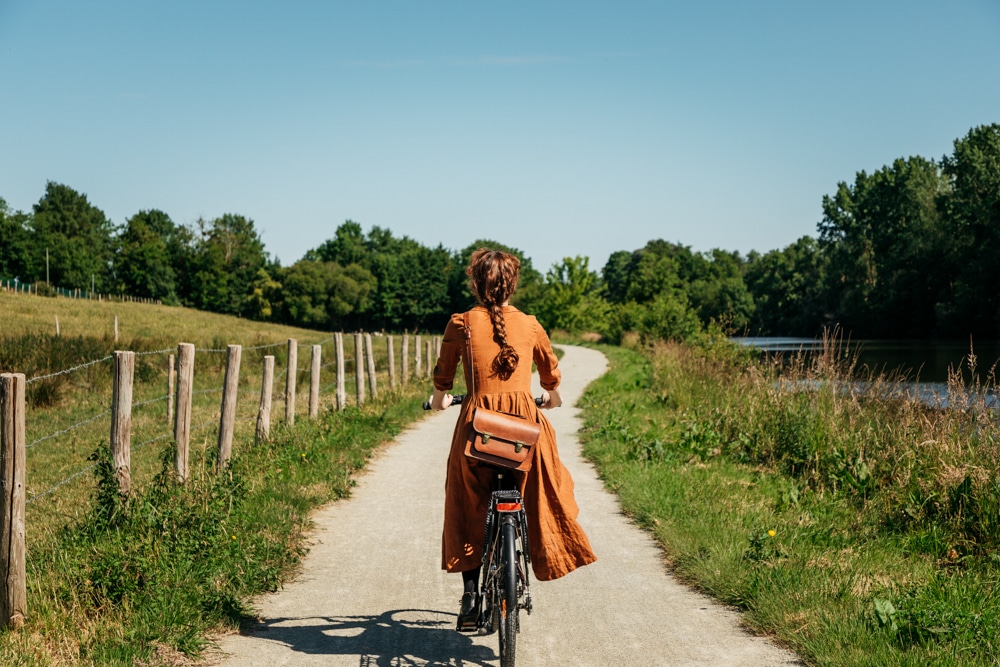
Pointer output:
508, 621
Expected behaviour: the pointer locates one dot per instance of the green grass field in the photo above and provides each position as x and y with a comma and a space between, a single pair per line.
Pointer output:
129, 583
28, 345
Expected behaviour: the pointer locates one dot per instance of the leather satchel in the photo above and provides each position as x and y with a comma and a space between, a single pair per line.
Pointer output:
501, 439
497, 438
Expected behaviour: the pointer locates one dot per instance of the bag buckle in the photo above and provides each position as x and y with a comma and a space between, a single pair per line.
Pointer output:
518, 446
486, 437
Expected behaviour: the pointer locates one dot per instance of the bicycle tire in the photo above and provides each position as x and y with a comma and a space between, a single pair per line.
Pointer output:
508, 625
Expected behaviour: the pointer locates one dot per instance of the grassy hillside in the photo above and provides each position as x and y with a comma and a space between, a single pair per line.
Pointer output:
28, 314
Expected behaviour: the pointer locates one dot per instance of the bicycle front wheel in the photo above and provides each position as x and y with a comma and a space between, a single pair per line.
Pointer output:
508, 600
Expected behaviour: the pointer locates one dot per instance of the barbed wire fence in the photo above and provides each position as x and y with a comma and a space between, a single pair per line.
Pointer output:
147, 419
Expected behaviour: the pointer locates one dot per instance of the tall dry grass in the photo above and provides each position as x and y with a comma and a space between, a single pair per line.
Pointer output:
854, 524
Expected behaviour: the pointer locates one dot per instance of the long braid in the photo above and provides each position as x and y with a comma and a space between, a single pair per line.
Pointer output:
505, 362
493, 278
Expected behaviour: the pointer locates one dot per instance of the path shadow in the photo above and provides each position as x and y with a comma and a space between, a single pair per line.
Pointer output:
397, 637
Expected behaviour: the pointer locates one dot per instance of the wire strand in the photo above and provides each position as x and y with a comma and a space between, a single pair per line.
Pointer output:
71, 428
68, 370
152, 400
60, 484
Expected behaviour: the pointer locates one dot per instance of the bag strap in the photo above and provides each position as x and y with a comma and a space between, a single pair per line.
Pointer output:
468, 347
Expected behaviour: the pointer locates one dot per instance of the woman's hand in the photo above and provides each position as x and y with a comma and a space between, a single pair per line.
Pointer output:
440, 400
551, 399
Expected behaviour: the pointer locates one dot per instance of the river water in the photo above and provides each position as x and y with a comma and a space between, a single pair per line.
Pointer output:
924, 365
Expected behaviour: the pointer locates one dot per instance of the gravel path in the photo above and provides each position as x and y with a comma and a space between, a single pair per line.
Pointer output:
371, 592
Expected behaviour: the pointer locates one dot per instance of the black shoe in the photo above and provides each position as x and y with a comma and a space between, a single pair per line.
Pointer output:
468, 615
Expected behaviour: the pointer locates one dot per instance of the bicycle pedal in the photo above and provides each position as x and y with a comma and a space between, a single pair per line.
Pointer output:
527, 605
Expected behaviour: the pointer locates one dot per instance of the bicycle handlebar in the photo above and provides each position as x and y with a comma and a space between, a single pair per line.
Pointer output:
458, 398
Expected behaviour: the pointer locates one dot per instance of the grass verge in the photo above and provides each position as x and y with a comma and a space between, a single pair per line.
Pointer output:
131, 581
855, 530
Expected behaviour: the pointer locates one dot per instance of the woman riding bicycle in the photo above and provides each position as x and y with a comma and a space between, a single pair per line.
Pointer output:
504, 342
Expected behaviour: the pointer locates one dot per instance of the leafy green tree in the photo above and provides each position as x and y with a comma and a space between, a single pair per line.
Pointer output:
788, 288
347, 246
710, 284
350, 290
717, 291
667, 317
325, 295
883, 237
972, 304
306, 286
78, 237
653, 271
616, 276
227, 256
149, 248
266, 292
14, 242
571, 298
412, 281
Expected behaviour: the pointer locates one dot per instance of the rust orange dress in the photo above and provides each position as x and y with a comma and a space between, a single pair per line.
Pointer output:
558, 543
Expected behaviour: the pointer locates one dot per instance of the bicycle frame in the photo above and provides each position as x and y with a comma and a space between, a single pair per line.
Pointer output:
506, 516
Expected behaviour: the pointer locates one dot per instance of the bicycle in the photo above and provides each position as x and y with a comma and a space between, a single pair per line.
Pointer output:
504, 580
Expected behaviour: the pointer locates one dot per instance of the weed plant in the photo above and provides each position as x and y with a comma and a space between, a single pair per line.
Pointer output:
856, 526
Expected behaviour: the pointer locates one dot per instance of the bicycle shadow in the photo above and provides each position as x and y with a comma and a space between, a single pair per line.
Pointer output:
396, 637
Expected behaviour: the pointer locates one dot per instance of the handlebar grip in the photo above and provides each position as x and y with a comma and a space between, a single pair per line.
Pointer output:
455, 400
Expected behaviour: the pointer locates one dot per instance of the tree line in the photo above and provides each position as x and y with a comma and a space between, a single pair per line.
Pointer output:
909, 251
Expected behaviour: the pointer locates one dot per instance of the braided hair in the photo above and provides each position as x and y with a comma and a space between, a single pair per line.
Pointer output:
493, 278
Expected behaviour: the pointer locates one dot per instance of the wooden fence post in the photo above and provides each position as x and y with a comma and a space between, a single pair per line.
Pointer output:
230, 391
317, 355
341, 388
371, 365
171, 381
390, 353
57, 326
13, 587
182, 418
429, 348
359, 367
291, 377
404, 355
264, 411
116, 328
417, 366
121, 419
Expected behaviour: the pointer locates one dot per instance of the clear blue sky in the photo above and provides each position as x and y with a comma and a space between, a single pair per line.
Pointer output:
560, 128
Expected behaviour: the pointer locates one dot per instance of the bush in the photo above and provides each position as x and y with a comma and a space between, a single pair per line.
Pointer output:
665, 318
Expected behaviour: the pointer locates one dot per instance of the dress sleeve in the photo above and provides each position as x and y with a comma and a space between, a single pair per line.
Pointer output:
452, 344
546, 360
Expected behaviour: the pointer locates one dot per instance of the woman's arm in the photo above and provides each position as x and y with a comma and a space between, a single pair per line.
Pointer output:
444, 369
546, 360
